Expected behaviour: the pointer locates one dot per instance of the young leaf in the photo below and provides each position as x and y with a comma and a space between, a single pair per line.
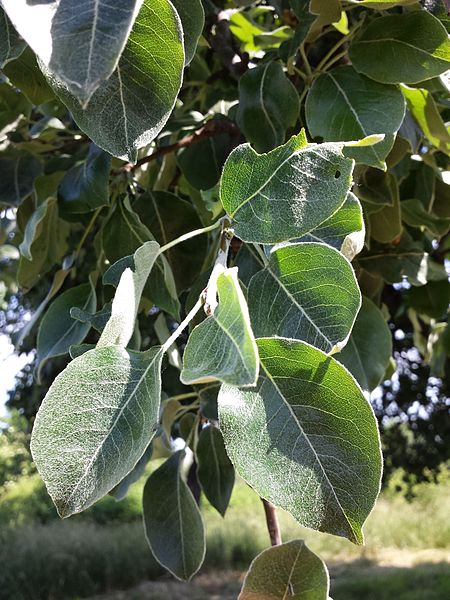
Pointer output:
268, 106
80, 42
287, 571
286, 193
306, 438
308, 292
120, 327
223, 346
345, 230
11, 45
192, 18
95, 422
369, 347
129, 109
402, 48
58, 330
215, 472
358, 107
172, 520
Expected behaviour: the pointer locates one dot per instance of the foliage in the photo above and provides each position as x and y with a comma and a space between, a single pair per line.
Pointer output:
115, 156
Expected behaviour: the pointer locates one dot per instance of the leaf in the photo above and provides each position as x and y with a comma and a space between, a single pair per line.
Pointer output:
345, 230
19, 171
386, 224
85, 187
305, 438
404, 48
156, 210
80, 42
172, 520
289, 48
11, 45
415, 215
369, 347
287, 571
13, 106
129, 109
121, 489
119, 329
215, 472
223, 346
268, 106
432, 299
58, 330
96, 320
424, 110
308, 292
286, 193
359, 107
44, 243
376, 188
95, 423
24, 73
381, 4
192, 18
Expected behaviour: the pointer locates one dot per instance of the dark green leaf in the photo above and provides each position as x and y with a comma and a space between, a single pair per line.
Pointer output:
192, 18
432, 299
10, 43
19, 171
24, 73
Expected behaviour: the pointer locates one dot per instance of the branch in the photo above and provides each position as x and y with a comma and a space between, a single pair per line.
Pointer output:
211, 128
273, 526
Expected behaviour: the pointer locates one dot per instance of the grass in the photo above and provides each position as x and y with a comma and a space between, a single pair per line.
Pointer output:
407, 553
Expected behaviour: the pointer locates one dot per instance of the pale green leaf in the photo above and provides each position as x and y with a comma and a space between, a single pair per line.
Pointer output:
119, 329
58, 330
286, 193
369, 348
381, 4
223, 346
357, 107
215, 472
192, 18
404, 48
287, 571
129, 109
80, 42
305, 438
268, 106
95, 422
308, 292
173, 523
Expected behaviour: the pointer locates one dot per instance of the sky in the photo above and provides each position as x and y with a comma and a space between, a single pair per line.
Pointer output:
10, 364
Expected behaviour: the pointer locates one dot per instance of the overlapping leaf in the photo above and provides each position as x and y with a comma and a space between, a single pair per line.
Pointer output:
192, 18
11, 45
308, 292
305, 438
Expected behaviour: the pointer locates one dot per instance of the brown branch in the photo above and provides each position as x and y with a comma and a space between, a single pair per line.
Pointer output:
211, 128
273, 526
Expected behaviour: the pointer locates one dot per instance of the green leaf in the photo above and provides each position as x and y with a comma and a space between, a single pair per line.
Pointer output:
268, 106
13, 105
386, 224
192, 18
369, 348
432, 299
85, 187
156, 210
402, 48
81, 43
308, 292
11, 45
381, 4
95, 423
121, 489
424, 110
24, 73
415, 215
172, 520
19, 171
129, 109
345, 230
376, 188
286, 193
287, 571
215, 472
289, 48
58, 330
223, 346
44, 243
96, 320
305, 438
120, 327
359, 107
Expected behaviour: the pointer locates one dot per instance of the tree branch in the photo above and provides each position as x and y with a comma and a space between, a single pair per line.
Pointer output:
211, 128
273, 526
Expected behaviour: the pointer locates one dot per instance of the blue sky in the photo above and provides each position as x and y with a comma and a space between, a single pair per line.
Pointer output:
10, 364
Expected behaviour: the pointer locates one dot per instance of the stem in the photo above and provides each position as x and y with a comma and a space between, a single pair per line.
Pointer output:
219, 266
184, 396
305, 60
273, 526
329, 54
182, 326
189, 235
261, 254
335, 60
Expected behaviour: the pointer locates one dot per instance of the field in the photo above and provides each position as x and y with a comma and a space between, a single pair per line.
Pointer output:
407, 556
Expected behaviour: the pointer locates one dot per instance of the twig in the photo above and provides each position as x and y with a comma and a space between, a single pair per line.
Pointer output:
211, 128
273, 526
